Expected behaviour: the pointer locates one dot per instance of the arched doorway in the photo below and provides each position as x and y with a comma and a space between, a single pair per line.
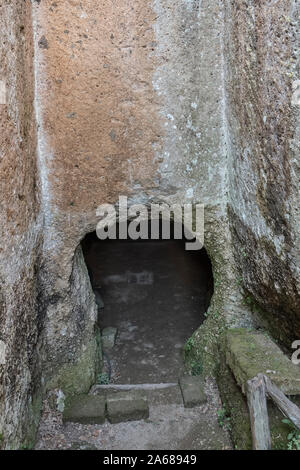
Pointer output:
155, 293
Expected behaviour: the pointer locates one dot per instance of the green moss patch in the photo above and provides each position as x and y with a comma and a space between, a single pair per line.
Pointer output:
249, 353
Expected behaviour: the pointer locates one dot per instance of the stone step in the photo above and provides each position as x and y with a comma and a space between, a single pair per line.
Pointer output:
85, 409
157, 394
192, 389
116, 406
125, 406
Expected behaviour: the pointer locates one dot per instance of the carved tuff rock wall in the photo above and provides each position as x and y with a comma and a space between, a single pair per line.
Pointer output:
262, 78
20, 227
176, 101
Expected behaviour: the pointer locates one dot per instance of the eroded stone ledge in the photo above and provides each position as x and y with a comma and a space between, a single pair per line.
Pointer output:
249, 353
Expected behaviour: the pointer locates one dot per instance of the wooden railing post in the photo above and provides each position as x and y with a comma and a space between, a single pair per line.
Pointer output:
257, 403
258, 389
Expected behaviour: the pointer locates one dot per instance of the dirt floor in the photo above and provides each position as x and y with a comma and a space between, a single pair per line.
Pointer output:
155, 293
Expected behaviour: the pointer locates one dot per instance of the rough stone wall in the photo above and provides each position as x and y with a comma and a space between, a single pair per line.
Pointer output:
130, 95
20, 230
262, 52
130, 101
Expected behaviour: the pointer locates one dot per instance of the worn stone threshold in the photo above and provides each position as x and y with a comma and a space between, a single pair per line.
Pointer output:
160, 386
130, 402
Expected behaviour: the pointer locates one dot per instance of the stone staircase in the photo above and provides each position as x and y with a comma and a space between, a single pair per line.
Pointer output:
88, 421
122, 403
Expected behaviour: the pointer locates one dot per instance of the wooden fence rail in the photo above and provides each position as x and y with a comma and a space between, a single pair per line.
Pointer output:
258, 389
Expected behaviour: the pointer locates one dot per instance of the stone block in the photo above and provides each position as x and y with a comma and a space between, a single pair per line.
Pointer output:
127, 406
109, 337
85, 409
192, 389
250, 352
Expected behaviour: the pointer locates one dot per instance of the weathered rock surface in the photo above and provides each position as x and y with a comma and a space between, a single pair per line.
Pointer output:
20, 232
262, 69
72, 362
